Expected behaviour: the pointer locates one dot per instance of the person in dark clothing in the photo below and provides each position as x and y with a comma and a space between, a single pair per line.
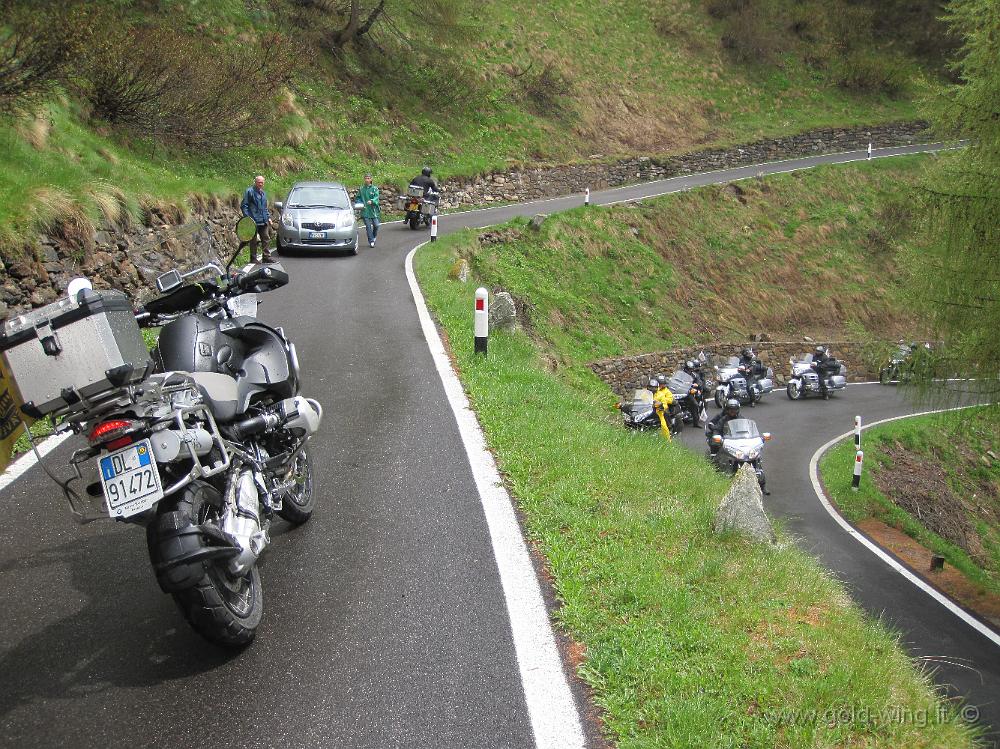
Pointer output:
426, 180
254, 205
823, 364
718, 423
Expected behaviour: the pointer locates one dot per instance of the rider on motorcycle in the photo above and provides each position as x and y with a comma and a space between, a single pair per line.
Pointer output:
426, 181
823, 363
693, 368
663, 399
716, 425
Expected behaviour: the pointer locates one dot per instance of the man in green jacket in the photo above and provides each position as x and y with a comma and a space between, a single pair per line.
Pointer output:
371, 213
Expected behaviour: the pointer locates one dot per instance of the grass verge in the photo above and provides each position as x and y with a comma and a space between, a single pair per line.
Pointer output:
689, 639
931, 477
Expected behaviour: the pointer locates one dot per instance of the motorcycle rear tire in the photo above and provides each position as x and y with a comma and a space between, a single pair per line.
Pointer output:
415, 222
223, 611
297, 504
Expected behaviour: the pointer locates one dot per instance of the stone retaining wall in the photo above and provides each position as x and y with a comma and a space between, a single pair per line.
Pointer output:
626, 373
128, 258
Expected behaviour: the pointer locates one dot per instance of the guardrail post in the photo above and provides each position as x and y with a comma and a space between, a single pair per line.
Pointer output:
859, 459
434, 228
586, 197
481, 320
869, 151
857, 432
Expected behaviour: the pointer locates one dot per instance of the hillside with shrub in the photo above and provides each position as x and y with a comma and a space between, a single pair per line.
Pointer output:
119, 104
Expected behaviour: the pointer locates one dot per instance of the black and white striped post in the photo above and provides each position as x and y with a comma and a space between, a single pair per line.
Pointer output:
859, 459
857, 432
869, 151
481, 320
434, 228
586, 197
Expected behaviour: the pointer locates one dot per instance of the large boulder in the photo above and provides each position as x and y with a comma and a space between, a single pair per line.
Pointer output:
503, 313
742, 509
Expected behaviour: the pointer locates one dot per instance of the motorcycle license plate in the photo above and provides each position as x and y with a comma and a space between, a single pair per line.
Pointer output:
317, 235
130, 479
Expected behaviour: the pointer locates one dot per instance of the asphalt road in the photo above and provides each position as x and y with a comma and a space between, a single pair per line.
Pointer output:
385, 623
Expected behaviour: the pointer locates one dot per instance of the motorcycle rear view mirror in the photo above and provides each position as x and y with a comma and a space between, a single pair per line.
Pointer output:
766, 436
246, 229
359, 206
167, 281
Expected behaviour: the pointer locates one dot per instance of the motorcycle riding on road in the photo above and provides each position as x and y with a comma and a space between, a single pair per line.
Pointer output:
815, 374
420, 203
202, 442
902, 363
733, 441
746, 383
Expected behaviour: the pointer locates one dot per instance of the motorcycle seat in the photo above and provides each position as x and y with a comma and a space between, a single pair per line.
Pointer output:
220, 393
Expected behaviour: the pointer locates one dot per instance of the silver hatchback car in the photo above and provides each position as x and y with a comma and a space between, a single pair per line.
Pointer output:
317, 216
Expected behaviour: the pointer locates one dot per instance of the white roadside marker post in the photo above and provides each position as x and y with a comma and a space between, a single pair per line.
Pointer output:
586, 197
481, 320
434, 228
857, 432
859, 458
869, 151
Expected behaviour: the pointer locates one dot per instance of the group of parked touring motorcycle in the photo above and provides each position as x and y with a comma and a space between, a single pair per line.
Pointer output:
202, 441
670, 402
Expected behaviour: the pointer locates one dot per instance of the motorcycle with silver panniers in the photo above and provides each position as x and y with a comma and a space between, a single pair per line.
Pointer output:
735, 380
419, 205
202, 442
804, 379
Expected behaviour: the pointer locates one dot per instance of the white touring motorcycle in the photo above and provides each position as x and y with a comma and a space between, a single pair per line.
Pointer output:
804, 379
740, 443
735, 380
201, 442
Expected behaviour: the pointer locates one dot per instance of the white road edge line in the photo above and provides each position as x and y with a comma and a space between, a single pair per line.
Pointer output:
861, 538
555, 720
28, 460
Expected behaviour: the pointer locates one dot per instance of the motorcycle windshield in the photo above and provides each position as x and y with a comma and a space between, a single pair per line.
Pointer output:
732, 361
680, 383
741, 429
641, 399
804, 358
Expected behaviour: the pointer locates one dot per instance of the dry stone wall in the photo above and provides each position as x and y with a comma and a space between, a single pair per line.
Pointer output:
623, 374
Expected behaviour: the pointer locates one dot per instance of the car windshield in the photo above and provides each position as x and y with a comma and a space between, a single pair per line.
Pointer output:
680, 382
319, 197
741, 429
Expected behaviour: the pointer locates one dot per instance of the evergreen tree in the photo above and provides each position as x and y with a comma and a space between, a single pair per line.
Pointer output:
958, 275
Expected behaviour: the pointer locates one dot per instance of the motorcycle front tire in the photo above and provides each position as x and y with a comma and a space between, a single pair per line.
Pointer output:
297, 504
885, 376
793, 391
720, 397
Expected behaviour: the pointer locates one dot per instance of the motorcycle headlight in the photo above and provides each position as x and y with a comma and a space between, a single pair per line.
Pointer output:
286, 220
739, 454
752, 454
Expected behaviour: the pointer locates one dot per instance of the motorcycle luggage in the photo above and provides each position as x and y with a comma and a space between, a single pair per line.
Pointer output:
428, 209
73, 349
401, 201
415, 191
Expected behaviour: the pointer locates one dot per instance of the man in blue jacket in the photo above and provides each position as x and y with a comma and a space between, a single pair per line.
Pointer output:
254, 205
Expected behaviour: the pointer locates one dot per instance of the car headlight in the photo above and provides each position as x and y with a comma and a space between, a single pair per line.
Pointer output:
286, 220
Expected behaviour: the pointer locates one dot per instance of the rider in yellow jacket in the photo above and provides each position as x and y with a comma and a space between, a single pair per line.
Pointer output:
663, 399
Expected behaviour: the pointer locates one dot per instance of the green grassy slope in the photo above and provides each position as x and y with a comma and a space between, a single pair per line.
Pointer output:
551, 81
815, 252
689, 639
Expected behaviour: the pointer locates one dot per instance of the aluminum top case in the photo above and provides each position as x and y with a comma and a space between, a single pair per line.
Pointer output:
416, 191
74, 350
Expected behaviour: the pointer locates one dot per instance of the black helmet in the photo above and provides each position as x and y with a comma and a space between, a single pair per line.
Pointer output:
747, 353
732, 408
426, 171
819, 351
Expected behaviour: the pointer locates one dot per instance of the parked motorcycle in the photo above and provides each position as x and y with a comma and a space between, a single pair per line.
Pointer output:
689, 397
736, 380
805, 380
419, 204
201, 444
739, 443
641, 412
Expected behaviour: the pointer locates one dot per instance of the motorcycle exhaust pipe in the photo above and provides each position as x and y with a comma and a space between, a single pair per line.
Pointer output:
171, 444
